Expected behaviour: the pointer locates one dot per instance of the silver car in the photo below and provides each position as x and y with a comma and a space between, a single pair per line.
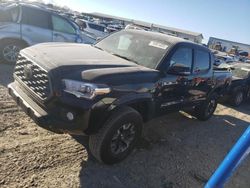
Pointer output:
23, 25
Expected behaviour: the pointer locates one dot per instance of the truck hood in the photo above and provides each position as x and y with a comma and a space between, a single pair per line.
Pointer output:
121, 75
87, 63
55, 55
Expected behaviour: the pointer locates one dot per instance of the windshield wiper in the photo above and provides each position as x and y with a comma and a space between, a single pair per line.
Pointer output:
123, 57
98, 47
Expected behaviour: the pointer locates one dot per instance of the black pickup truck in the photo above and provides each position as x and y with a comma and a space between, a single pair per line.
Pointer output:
107, 90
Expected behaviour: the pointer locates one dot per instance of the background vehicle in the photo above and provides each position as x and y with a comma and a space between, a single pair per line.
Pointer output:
109, 89
114, 27
224, 59
22, 25
239, 90
96, 30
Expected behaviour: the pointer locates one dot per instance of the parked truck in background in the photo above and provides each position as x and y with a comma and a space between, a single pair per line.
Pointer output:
239, 90
23, 25
108, 90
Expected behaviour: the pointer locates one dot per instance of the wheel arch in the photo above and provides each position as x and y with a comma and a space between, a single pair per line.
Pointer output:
2, 40
143, 105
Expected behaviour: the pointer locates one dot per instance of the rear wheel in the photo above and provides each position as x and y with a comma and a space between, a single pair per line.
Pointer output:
9, 50
206, 110
237, 98
118, 137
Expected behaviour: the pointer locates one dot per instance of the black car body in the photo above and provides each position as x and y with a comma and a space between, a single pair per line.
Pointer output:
75, 88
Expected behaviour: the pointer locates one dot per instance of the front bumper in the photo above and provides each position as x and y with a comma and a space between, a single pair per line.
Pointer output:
52, 121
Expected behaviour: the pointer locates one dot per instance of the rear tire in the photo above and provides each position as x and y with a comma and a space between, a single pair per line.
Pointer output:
237, 98
206, 110
9, 50
118, 137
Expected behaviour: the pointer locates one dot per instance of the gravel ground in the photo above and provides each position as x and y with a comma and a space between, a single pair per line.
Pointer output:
176, 151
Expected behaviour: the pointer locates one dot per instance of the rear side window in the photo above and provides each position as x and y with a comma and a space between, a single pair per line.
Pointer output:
201, 61
62, 25
36, 17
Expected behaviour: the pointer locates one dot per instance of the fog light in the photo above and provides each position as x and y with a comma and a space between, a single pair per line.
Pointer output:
70, 116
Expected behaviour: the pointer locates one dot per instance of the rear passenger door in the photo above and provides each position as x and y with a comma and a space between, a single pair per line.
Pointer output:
36, 25
63, 30
202, 75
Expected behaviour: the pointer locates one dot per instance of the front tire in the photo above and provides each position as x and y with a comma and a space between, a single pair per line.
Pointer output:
206, 110
118, 137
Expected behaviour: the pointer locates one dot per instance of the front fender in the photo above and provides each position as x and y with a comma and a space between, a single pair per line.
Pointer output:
130, 99
102, 110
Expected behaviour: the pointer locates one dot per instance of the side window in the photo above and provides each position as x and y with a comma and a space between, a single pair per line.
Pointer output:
36, 17
10, 15
181, 61
201, 61
62, 25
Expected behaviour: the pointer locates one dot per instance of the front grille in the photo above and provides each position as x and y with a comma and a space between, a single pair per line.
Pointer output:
34, 77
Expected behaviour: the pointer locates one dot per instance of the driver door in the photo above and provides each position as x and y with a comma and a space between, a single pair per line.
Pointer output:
177, 80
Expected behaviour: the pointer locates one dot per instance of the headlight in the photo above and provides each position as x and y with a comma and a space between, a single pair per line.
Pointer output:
84, 90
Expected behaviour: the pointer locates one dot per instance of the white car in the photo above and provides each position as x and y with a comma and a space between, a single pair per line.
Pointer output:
23, 25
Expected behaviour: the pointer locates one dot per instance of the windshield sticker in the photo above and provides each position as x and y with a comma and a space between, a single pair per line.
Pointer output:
124, 43
158, 45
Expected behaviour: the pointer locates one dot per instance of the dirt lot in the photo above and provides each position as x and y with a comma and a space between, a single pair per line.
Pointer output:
176, 151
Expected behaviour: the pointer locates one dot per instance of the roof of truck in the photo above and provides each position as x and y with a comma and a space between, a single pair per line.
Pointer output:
164, 37
161, 36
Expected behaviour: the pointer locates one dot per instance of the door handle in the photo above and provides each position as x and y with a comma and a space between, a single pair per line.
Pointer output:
58, 35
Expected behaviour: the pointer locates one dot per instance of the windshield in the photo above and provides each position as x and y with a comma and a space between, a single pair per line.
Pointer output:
145, 50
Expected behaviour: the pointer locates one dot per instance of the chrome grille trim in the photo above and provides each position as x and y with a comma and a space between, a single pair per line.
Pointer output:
33, 76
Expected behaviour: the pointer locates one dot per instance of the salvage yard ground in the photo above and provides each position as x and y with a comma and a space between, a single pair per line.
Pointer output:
176, 151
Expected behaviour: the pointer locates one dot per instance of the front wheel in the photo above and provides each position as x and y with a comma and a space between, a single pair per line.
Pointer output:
118, 137
9, 50
206, 110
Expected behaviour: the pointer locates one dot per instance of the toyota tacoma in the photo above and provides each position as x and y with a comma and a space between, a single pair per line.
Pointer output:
108, 90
